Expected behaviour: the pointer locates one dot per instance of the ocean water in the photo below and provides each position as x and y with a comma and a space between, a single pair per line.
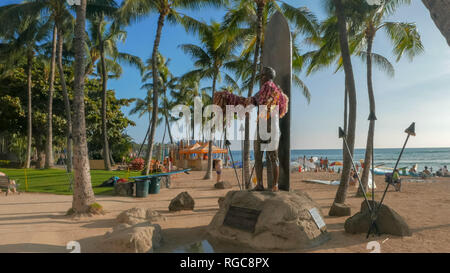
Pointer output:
430, 157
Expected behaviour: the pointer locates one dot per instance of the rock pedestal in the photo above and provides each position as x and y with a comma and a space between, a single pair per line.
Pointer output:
339, 209
222, 185
284, 221
388, 221
182, 201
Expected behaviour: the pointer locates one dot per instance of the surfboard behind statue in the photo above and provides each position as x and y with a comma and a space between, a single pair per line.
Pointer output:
277, 53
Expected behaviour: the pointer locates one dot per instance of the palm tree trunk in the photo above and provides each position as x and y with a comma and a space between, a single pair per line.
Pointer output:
106, 156
246, 154
154, 115
83, 195
346, 109
29, 117
208, 174
66, 101
49, 143
167, 119
341, 193
168, 128
370, 134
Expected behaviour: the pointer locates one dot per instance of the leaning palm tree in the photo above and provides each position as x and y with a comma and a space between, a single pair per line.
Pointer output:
83, 195
405, 39
104, 43
133, 10
339, 11
255, 14
217, 48
21, 34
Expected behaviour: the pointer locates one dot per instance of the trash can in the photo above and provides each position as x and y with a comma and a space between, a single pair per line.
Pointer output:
142, 187
155, 185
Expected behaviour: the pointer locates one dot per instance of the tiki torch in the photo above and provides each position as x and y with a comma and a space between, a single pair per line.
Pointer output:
410, 131
228, 143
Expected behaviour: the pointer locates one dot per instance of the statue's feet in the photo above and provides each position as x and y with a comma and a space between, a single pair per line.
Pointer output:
275, 188
258, 188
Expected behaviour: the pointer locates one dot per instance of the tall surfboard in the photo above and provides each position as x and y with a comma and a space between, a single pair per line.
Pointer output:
277, 53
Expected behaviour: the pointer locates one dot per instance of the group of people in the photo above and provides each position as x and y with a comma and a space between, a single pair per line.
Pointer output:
320, 165
443, 172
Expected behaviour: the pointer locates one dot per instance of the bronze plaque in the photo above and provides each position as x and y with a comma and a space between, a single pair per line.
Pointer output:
241, 218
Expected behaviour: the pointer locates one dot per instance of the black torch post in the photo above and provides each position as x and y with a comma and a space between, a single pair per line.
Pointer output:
344, 137
373, 117
228, 143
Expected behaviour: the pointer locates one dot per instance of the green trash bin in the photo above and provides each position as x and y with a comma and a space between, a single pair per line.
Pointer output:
142, 187
155, 185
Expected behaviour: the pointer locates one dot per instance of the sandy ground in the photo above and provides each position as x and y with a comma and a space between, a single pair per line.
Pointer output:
36, 222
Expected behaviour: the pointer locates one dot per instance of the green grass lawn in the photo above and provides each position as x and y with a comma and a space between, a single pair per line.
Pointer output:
57, 181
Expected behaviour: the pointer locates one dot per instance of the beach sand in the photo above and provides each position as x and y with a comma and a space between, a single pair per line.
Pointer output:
32, 222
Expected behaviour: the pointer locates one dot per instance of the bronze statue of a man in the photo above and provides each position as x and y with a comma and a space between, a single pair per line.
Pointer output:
269, 95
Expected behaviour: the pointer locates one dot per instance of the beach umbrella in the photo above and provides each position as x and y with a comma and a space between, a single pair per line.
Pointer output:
336, 163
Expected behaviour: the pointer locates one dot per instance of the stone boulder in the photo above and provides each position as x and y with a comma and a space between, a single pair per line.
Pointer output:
134, 216
339, 209
222, 185
182, 201
284, 221
140, 238
123, 189
388, 221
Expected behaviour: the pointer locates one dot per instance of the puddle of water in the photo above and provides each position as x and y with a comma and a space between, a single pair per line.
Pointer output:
197, 247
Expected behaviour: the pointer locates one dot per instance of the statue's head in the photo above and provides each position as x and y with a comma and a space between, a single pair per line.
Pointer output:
268, 74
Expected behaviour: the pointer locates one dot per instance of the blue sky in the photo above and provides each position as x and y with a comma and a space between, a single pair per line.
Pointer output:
419, 91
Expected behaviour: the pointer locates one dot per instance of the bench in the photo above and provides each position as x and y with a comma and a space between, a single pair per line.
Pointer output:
5, 183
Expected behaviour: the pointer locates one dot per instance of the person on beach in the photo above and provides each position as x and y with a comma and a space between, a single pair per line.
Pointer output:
218, 168
353, 178
271, 96
445, 171
426, 172
396, 181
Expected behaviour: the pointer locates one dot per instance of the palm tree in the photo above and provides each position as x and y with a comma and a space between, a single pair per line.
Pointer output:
64, 22
104, 43
49, 140
405, 39
133, 10
168, 82
22, 32
439, 10
209, 59
255, 14
341, 193
83, 195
